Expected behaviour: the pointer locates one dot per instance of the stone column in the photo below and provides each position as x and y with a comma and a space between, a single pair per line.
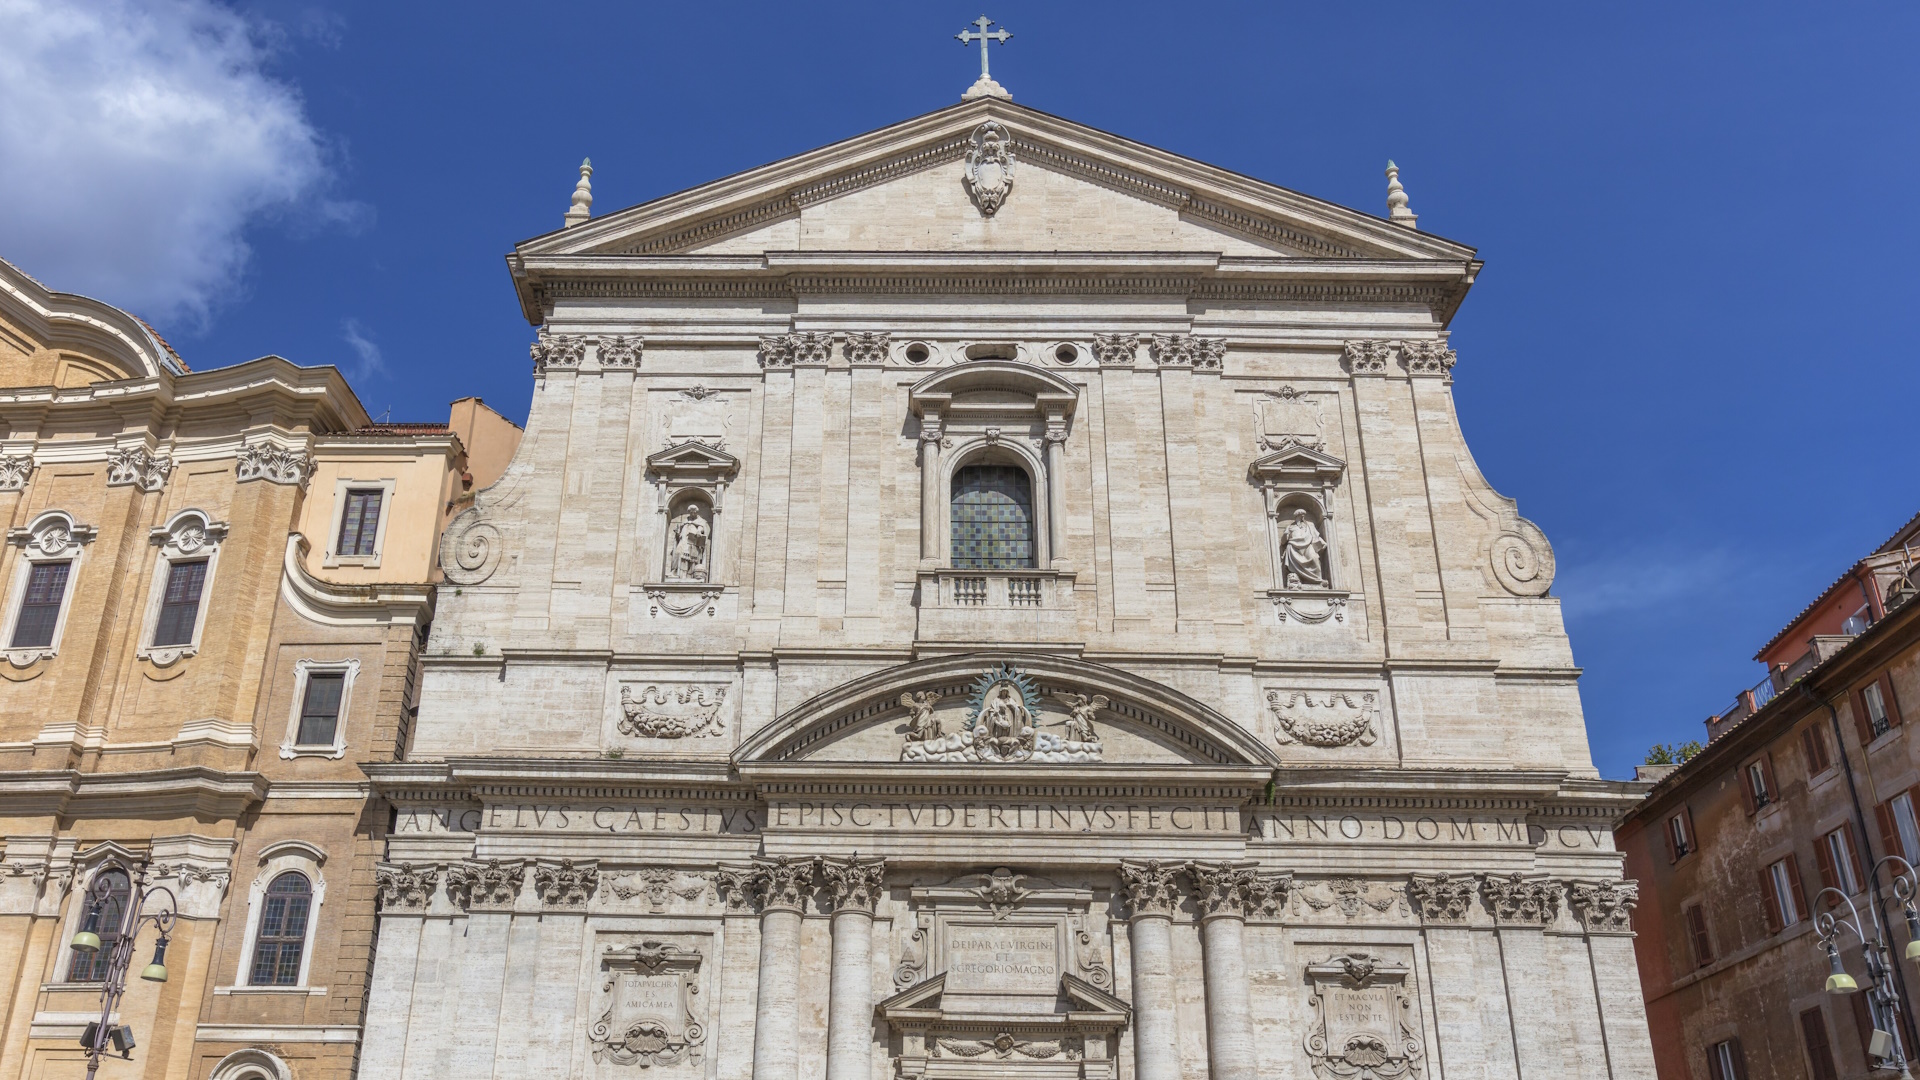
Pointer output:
1606, 913
1225, 894
780, 887
1056, 438
930, 509
1522, 908
1151, 898
1444, 903
856, 886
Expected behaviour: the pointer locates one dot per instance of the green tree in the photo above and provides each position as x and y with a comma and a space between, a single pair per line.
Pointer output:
1669, 754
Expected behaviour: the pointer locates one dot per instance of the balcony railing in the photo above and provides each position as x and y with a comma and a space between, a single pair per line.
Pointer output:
947, 588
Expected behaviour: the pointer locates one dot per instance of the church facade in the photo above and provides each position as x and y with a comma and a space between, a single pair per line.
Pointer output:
991, 598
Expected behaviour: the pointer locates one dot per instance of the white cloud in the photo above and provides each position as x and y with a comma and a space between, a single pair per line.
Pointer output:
371, 363
138, 141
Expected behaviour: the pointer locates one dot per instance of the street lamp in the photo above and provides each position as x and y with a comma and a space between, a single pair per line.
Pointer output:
104, 1033
1883, 1001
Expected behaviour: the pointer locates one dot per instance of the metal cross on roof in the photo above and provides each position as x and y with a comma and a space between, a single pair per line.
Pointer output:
968, 37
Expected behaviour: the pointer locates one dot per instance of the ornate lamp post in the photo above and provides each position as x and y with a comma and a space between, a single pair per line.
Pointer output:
103, 1033
1883, 1001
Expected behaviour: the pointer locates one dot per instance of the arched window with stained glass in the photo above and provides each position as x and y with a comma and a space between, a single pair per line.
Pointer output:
281, 941
992, 524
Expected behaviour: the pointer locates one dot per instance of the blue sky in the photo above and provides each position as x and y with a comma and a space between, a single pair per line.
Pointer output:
1686, 357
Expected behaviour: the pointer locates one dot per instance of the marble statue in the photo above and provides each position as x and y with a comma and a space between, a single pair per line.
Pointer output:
1302, 547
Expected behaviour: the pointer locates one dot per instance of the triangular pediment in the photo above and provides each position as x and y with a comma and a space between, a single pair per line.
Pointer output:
693, 458
1074, 188
1298, 460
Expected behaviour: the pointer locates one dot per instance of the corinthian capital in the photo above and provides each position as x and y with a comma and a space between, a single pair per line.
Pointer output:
485, 886
856, 883
1606, 907
1519, 901
567, 885
1149, 887
1237, 891
404, 886
767, 884
1441, 898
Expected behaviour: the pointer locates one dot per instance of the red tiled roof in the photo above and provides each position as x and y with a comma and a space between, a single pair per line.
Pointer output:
379, 430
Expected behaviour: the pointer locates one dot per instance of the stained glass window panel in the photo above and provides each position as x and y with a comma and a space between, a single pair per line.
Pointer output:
992, 518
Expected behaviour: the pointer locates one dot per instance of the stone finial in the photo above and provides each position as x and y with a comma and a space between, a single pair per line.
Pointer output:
582, 207
1397, 211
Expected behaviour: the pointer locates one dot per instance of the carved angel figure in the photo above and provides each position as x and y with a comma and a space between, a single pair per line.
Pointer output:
1301, 548
1082, 710
687, 544
922, 726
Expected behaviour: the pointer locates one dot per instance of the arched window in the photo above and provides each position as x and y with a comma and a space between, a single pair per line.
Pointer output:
282, 937
992, 524
92, 966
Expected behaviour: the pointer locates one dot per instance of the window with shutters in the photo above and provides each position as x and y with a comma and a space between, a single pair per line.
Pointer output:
1679, 837
1726, 1061
86, 967
39, 613
280, 944
1697, 936
1813, 1033
1879, 720
992, 523
1905, 829
360, 521
1759, 785
1839, 861
1813, 743
180, 603
1784, 901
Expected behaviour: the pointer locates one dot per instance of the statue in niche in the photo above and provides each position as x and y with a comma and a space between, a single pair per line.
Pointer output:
922, 725
689, 542
1301, 548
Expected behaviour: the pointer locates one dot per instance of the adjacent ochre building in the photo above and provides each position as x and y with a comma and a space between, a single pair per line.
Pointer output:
991, 598
216, 587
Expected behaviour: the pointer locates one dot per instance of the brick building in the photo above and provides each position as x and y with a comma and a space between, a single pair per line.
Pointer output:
1806, 782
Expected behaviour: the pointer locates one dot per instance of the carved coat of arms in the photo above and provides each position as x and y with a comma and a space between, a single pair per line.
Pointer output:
650, 990
989, 173
1363, 1029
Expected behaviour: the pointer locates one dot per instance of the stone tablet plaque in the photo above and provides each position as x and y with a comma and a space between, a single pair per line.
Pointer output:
1003, 958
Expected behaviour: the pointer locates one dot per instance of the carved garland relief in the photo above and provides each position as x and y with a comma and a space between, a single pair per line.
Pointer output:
1325, 719
669, 712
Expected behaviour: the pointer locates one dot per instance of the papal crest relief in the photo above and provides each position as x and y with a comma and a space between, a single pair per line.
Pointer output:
989, 171
1003, 724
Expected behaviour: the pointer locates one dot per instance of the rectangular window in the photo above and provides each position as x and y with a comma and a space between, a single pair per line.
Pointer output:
40, 608
180, 603
1726, 1061
360, 522
1905, 826
320, 709
1813, 1032
1759, 791
1814, 743
1876, 706
1784, 902
1839, 861
1697, 934
1679, 837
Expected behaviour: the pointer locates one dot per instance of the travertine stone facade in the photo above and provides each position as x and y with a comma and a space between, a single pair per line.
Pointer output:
185, 754
1064, 635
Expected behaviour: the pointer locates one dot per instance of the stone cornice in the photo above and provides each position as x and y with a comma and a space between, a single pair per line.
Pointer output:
170, 792
329, 604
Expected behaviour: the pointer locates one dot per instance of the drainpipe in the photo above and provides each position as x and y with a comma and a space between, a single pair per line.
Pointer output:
1866, 841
